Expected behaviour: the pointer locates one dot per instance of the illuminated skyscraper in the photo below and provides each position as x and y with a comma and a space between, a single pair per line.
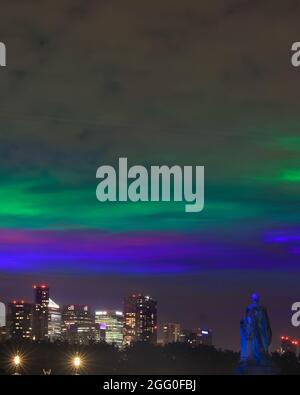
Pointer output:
19, 320
112, 324
205, 337
40, 313
196, 337
171, 333
189, 336
78, 324
54, 321
140, 319
130, 318
288, 345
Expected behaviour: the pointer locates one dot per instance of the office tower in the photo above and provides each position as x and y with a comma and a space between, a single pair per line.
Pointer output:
189, 336
2, 315
100, 330
78, 324
205, 337
130, 317
196, 337
19, 320
112, 323
171, 333
288, 345
54, 321
140, 319
3, 334
40, 313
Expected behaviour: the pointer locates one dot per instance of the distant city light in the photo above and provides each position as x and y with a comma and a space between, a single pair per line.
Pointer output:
119, 313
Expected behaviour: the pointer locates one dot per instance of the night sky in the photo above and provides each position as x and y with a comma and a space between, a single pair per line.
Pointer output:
162, 82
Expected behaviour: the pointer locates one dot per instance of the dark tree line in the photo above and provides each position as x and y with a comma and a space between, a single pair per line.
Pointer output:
140, 359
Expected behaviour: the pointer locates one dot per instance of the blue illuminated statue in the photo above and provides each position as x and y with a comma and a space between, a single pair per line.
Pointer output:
256, 334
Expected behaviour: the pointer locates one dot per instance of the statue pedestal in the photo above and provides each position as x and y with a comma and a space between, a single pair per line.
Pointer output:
252, 369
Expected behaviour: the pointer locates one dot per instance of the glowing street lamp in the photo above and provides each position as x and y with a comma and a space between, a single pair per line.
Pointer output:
16, 361
77, 363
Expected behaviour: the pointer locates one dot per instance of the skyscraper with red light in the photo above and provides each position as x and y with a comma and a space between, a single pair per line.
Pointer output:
288, 345
19, 320
40, 313
140, 319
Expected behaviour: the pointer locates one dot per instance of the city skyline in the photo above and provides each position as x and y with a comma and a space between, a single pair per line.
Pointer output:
95, 308
44, 320
42, 305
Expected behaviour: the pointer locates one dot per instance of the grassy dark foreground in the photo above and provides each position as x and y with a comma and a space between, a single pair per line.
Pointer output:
139, 359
